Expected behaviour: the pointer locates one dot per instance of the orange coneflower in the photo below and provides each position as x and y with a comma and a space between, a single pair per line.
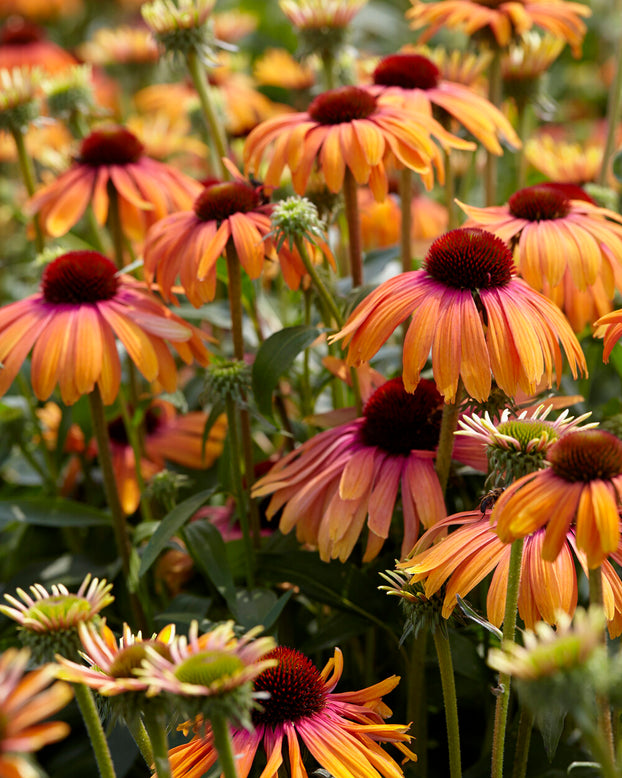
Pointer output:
351, 474
112, 156
72, 325
342, 730
187, 244
277, 67
581, 487
468, 280
564, 160
120, 46
25, 45
349, 127
27, 699
414, 78
168, 436
473, 550
559, 236
504, 19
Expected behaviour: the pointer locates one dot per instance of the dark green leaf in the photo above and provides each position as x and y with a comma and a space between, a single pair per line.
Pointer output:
169, 525
207, 548
260, 607
50, 512
274, 358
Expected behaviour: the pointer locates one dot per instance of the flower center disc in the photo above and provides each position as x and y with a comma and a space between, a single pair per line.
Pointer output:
398, 422
17, 32
410, 71
219, 201
586, 456
295, 686
208, 667
130, 658
56, 608
527, 430
470, 258
79, 277
342, 105
539, 203
110, 146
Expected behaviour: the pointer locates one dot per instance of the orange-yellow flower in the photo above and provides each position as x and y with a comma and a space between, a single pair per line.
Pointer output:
581, 487
342, 730
120, 46
112, 156
27, 699
559, 236
505, 19
72, 325
277, 67
467, 282
25, 45
413, 79
187, 244
609, 327
349, 127
561, 159
464, 558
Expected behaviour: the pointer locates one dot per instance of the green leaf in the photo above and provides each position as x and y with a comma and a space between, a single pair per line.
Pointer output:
50, 512
260, 607
275, 356
169, 525
207, 548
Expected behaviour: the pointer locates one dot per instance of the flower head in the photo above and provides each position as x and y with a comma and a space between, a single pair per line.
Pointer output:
451, 565
112, 156
120, 46
27, 699
210, 672
19, 103
518, 444
501, 20
467, 282
525, 61
416, 80
349, 127
556, 229
565, 160
71, 91
24, 45
341, 730
49, 621
181, 26
581, 486
72, 324
338, 479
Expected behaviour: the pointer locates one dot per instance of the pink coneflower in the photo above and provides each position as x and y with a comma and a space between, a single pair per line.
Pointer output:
351, 474
478, 319
342, 731
72, 325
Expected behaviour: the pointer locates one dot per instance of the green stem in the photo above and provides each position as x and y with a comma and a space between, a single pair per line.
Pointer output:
224, 746
449, 422
238, 487
597, 743
416, 710
328, 69
141, 738
133, 433
217, 135
156, 731
450, 192
614, 103
509, 630
494, 95
115, 227
523, 738
234, 275
406, 190
121, 536
445, 664
28, 174
320, 286
92, 722
605, 725
353, 218
524, 130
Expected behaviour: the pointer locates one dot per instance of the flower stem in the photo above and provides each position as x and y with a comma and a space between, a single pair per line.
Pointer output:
605, 725
406, 193
445, 664
320, 286
92, 722
509, 629
141, 738
613, 104
28, 174
353, 219
222, 741
216, 132
451, 411
416, 710
234, 275
159, 744
121, 536
523, 738
524, 129
494, 95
